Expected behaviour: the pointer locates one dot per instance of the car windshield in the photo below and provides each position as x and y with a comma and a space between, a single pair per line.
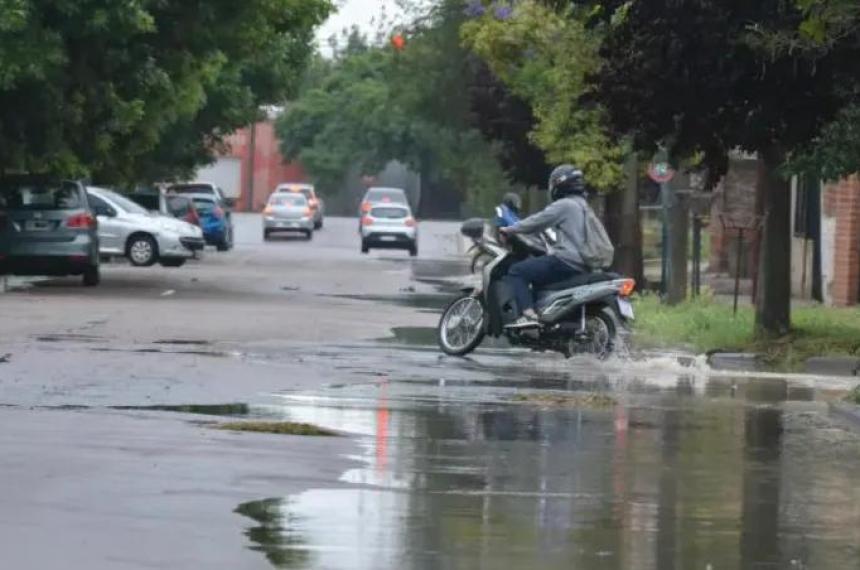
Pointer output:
380, 195
123, 203
389, 213
204, 205
40, 196
179, 207
296, 200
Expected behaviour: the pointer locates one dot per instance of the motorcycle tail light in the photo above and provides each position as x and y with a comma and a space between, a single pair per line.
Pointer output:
627, 287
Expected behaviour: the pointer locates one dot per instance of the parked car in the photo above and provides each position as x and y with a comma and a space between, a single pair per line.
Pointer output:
288, 212
182, 207
315, 202
214, 221
220, 218
47, 227
382, 196
389, 226
126, 229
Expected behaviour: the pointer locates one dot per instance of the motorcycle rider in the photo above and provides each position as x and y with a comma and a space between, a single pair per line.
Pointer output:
508, 212
567, 216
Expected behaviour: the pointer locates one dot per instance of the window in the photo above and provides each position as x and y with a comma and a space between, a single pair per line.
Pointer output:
806, 207
45, 196
389, 213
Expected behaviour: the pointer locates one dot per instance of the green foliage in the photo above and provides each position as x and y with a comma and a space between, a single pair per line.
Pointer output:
835, 152
373, 104
122, 91
707, 324
545, 56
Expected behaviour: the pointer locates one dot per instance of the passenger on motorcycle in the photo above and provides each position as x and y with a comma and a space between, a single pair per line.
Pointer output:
508, 212
567, 216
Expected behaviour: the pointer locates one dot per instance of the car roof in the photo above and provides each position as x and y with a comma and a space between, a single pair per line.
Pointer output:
294, 186
385, 189
201, 196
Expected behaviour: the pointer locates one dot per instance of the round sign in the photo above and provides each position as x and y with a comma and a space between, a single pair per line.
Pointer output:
661, 172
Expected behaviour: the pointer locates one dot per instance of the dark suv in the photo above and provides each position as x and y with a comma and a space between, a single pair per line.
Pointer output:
47, 228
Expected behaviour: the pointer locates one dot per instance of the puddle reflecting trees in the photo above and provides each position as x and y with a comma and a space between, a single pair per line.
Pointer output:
747, 477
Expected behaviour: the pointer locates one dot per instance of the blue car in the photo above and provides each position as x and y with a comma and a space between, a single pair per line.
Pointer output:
215, 221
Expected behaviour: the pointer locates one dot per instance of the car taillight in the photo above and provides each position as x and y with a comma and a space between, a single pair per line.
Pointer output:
192, 218
627, 287
81, 221
410, 222
268, 210
308, 213
313, 203
365, 207
366, 221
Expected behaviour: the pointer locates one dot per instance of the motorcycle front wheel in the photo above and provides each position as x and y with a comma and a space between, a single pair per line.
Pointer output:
461, 328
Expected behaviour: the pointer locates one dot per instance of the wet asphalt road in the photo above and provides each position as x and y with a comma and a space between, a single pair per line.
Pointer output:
503, 460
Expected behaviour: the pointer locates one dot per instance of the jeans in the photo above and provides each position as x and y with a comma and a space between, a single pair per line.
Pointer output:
536, 272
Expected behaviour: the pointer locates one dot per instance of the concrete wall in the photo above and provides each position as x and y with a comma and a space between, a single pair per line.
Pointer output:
802, 254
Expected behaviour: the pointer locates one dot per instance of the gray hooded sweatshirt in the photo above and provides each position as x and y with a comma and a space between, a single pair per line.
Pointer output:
567, 216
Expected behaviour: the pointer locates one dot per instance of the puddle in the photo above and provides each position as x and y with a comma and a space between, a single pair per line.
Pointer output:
429, 302
184, 342
69, 337
221, 410
729, 474
208, 353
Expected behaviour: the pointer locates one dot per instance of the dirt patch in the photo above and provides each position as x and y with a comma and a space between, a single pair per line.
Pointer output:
280, 428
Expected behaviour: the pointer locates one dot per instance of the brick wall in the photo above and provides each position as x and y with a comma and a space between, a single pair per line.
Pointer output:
841, 204
734, 200
269, 166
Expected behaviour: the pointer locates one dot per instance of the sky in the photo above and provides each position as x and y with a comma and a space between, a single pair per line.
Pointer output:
355, 12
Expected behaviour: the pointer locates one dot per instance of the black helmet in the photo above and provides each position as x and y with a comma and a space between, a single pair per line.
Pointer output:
566, 180
513, 201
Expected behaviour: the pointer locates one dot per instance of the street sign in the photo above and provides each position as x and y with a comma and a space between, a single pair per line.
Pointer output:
661, 172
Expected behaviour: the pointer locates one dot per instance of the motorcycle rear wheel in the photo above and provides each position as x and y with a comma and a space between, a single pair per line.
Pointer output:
461, 328
602, 332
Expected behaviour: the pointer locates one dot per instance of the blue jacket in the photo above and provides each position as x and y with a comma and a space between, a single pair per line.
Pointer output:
505, 217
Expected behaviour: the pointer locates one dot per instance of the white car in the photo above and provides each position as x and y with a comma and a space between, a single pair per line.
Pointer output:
389, 226
126, 229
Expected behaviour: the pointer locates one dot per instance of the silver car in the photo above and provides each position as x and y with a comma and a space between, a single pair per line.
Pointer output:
47, 227
288, 212
389, 226
314, 201
128, 230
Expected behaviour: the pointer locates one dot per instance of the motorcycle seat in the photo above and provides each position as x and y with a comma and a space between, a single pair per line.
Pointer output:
579, 281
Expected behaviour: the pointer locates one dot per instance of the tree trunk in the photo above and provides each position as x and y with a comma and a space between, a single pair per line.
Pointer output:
773, 307
624, 226
678, 250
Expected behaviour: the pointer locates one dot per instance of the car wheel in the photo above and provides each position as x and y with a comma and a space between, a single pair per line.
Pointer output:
173, 262
92, 276
142, 251
227, 243
309, 235
318, 225
413, 251
265, 235
364, 247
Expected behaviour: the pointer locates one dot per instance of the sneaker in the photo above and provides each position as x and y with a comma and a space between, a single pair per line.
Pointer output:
523, 322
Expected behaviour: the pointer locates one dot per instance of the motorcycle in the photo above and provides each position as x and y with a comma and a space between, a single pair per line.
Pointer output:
484, 245
581, 315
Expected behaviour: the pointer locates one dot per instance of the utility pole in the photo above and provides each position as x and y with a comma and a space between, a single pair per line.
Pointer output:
252, 155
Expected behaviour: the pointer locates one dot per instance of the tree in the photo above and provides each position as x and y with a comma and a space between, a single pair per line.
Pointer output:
544, 56
414, 105
124, 90
690, 75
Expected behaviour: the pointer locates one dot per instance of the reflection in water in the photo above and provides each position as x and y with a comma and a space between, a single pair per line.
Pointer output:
743, 478
276, 535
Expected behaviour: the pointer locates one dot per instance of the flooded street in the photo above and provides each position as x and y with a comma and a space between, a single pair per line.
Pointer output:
690, 473
504, 460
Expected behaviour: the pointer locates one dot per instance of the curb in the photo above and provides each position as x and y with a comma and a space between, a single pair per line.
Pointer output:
837, 366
